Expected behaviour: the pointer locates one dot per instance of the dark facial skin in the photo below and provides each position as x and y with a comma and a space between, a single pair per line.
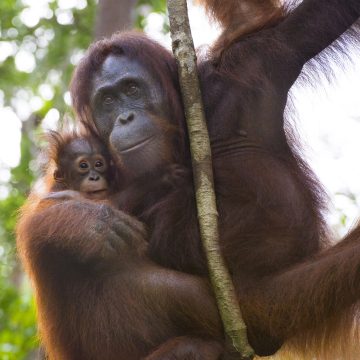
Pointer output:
84, 168
127, 104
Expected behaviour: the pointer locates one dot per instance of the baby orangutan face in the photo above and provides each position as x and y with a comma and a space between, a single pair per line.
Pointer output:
84, 167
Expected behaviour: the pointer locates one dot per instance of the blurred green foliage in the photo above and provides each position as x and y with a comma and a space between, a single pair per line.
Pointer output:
144, 7
50, 43
17, 317
48, 37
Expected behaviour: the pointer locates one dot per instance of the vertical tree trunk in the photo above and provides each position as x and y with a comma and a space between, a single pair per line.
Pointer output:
223, 287
114, 15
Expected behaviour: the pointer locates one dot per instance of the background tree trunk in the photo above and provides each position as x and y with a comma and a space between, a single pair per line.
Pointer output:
114, 15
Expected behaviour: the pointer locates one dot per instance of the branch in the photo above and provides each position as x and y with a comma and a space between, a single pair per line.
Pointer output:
223, 287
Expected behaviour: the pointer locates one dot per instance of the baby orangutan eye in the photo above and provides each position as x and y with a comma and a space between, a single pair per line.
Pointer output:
99, 164
83, 165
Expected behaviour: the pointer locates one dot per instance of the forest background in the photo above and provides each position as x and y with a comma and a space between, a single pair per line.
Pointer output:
40, 43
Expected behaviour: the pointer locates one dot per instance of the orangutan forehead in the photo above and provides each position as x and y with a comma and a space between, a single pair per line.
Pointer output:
83, 146
116, 67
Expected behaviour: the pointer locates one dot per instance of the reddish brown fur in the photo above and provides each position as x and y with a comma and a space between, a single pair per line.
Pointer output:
244, 18
272, 231
100, 299
57, 142
243, 14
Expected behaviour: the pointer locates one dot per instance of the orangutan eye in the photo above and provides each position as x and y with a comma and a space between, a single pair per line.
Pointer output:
132, 89
108, 99
99, 164
83, 165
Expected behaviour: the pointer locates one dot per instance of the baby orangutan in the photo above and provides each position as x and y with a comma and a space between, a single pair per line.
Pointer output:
98, 295
83, 166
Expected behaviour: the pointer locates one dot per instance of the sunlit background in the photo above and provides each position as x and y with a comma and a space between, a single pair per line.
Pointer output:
41, 41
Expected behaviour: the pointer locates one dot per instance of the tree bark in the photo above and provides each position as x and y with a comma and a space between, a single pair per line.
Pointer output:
183, 49
114, 15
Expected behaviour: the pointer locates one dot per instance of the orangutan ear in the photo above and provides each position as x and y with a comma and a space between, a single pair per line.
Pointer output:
58, 176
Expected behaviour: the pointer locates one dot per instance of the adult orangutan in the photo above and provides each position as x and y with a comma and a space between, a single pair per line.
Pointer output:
290, 284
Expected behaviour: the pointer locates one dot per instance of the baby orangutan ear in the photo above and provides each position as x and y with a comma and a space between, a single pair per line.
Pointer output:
58, 177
